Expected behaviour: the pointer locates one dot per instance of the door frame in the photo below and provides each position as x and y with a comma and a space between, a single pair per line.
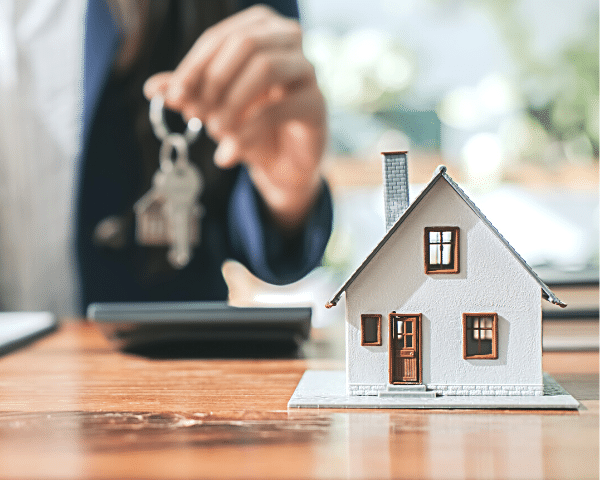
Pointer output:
392, 350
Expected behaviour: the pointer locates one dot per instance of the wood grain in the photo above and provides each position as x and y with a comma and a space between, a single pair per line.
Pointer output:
72, 407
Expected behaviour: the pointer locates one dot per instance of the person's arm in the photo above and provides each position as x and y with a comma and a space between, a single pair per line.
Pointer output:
273, 255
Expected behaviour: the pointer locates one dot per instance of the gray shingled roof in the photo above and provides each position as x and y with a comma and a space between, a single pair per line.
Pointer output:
440, 173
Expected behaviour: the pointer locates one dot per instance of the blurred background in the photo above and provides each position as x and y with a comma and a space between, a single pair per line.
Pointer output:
503, 93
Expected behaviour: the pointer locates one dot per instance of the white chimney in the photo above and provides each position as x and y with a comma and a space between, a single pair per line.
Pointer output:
395, 186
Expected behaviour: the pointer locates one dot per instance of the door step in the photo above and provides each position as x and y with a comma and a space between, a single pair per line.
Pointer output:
407, 391
410, 387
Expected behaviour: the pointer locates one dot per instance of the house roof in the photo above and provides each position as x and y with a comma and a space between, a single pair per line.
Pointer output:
440, 174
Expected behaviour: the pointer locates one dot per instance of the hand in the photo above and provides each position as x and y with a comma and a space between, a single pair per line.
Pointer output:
247, 79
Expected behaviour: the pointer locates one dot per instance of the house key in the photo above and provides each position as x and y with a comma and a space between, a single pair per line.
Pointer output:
180, 183
169, 213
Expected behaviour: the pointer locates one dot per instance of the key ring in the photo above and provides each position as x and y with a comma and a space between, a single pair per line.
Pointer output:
161, 130
173, 142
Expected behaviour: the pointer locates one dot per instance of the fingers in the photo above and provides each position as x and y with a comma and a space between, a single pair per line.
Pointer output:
191, 70
224, 53
157, 84
239, 51
258, 140
228, 152
265, 80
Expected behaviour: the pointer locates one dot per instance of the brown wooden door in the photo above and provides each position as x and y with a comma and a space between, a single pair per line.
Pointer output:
405, 348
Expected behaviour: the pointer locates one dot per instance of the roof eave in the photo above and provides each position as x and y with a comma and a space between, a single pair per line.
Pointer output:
550, 297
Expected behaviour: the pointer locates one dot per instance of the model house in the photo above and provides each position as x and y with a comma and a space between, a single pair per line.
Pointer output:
443, 305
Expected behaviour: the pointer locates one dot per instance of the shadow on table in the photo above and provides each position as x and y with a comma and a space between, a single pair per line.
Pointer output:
217, 349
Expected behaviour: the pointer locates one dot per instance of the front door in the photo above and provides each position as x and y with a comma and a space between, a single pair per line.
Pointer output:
405, 348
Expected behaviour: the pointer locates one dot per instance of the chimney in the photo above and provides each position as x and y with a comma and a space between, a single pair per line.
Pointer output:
395, 186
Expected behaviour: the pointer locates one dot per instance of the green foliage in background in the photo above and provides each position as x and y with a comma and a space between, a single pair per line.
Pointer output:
571, 114
561, 92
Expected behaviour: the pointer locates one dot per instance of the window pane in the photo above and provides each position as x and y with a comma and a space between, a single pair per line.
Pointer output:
434, 255
476, 334
399, 327
408, 327
447, 237
434, 237
475, 322
487, 334
486, 347
408, 341
488, 322
370, 329
446, 257
472, 345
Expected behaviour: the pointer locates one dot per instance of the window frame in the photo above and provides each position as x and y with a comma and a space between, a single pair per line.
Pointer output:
455, 246
494, 330
363, 317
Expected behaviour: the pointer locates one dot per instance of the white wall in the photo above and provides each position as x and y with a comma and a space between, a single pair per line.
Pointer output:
490, 280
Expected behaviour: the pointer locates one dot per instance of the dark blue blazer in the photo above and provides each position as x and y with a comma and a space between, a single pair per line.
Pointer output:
119, 156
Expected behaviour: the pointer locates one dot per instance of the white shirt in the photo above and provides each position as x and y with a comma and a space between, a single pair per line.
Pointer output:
41, 45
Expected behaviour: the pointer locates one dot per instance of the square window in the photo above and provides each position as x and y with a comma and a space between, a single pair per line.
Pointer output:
480, 335
441, 250
370, 330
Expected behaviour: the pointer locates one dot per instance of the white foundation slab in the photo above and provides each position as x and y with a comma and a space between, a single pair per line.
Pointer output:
327, 389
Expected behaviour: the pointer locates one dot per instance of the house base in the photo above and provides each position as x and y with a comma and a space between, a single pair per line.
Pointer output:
327, 389
434, 389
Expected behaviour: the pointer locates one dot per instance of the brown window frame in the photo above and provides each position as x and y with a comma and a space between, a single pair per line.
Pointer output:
377, 343
494, 330
431, 269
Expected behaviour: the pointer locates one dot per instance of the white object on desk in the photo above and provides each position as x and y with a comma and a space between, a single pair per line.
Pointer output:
20, 327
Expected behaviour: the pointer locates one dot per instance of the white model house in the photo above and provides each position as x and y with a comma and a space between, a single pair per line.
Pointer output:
443, 303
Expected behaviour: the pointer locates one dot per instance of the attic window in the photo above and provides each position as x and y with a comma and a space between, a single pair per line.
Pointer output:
480, 335
441, 250
370, 327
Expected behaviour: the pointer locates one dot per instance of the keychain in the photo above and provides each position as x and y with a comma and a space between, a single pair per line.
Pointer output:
170, 212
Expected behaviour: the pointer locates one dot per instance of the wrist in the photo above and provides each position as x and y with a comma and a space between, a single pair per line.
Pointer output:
289, 202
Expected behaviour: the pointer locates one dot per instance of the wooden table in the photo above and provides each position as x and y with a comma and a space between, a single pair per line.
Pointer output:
72, 407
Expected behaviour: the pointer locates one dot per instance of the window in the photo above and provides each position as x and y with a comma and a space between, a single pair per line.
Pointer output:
441, 250
480, 335
405, 333
370, 330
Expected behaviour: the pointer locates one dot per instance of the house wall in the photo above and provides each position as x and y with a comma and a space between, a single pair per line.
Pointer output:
490, 280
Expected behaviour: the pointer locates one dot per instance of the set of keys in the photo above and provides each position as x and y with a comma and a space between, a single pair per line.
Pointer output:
169, 213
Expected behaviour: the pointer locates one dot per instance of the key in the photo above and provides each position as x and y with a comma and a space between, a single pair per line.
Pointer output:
170, 213
180, 187
152, 222
179, 183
